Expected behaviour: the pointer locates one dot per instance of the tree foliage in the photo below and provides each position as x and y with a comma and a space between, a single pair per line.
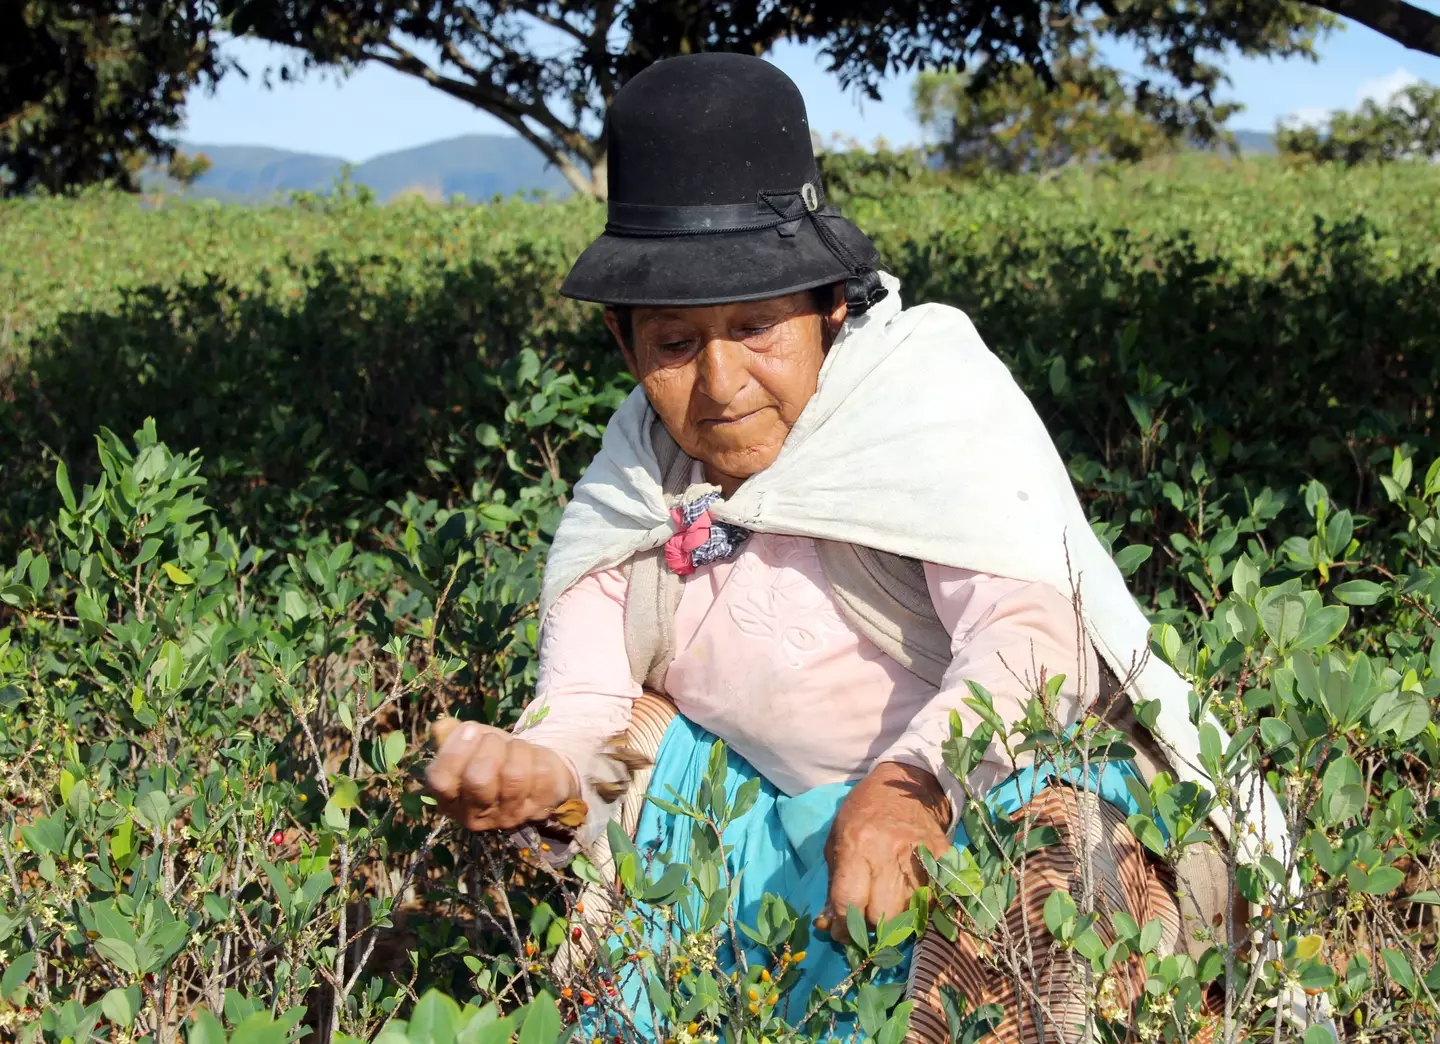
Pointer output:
1018, 124
1406, 127
88, 90
548, 68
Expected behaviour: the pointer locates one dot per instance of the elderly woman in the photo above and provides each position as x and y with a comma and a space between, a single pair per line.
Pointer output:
818, 521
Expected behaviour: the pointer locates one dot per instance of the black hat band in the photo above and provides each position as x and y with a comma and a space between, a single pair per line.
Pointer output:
786, 207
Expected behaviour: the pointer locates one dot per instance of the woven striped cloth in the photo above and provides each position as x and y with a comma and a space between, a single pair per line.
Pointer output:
1046, 997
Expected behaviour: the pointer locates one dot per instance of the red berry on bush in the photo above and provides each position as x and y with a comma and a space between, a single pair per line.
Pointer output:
575, 934
276, 838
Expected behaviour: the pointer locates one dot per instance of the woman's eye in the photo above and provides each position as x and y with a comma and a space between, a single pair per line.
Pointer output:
755, 330
674, 346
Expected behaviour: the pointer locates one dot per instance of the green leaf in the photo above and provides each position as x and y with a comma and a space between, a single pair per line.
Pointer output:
871, 1009
1059, 908
855, 923
122, 840
1400, 970
295, 605
8, 924
166, 940
1406, 713
260, 1028
1131, 558
177, 575
172, 661
12, 983
1212, 747
205, 1028
148, 549
529, 366
1058, 379
346, 794
745, 798
1165, 640
1382, 880
497, 1031
1148, 834
1283, 616
62, 483
1323, 626
434, 1020
1125, 926
1342, 777
1150, 935
897, 1026
1338, 532
542, 1021
1359, 592
88, 609
1089, 945
45, 836
659, 997
1245, 578
1140, 794
118, 1008
1348, 802
1211, 966
153, 808
39, 575
1274, 733
394, 748
277, 881
121, 954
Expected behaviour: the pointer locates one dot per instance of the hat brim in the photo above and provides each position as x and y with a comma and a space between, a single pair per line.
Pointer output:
714, 268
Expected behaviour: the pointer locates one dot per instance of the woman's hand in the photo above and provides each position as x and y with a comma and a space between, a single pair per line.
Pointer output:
891, 813
485, 778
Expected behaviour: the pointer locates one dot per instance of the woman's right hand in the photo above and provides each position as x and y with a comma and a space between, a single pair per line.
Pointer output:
485, 778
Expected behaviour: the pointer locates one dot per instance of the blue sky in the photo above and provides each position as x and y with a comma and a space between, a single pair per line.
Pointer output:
375, 111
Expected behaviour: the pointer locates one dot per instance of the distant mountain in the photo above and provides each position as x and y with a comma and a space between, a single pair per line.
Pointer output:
475, 166
1255, 141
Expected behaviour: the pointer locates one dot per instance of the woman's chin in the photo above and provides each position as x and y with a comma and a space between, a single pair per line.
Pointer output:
739, 464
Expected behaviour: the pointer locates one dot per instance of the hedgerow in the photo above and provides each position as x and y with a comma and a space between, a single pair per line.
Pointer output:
222, 636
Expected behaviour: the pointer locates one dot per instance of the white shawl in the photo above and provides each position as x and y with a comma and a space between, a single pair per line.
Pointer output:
917, 442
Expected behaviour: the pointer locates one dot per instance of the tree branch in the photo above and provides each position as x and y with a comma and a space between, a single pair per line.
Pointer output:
564, 133
504, 108
555, 22
1408, 25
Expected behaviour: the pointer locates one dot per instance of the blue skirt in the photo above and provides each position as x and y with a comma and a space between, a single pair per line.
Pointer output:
777, 847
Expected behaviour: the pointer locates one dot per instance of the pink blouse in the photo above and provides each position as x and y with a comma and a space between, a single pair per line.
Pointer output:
768, 664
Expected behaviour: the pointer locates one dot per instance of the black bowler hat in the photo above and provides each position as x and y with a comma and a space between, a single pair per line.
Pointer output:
715, 196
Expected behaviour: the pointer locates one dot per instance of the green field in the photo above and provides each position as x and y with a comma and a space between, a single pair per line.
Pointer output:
231, 657
66, 255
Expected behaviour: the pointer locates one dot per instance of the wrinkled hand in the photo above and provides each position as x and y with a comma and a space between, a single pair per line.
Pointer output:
485, 778
872, 848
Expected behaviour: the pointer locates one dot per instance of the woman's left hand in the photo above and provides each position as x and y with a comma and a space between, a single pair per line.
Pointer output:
891, 813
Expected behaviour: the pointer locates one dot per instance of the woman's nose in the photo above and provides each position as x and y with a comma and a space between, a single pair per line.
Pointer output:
721, 370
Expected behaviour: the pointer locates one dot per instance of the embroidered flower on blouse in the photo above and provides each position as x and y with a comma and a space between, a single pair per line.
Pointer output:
699, 539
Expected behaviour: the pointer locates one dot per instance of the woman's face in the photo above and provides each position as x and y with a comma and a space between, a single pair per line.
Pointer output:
729, 381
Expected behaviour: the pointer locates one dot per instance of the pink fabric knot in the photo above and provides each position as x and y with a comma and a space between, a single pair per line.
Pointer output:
687, 538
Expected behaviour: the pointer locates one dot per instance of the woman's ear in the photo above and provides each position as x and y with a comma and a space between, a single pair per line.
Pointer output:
622, 338
835, 318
